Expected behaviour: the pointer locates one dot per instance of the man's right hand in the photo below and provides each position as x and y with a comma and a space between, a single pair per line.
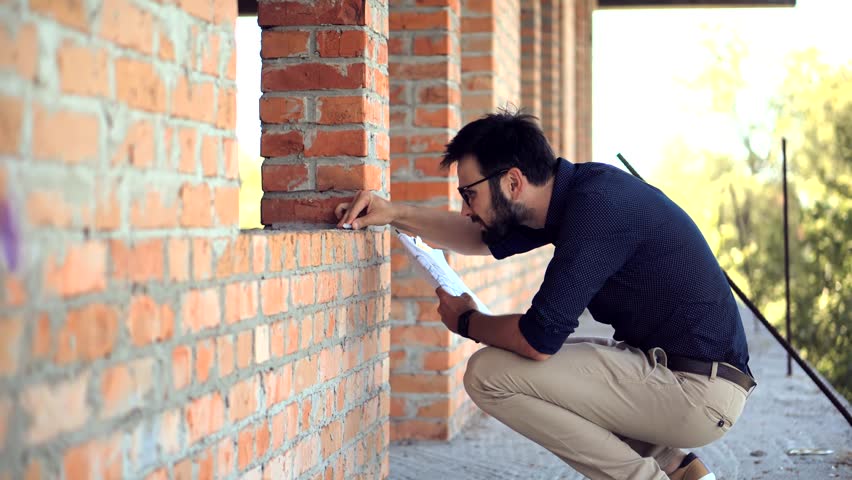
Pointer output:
364, 210
441, 228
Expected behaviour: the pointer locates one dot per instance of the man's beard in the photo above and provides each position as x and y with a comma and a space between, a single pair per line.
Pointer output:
507, 216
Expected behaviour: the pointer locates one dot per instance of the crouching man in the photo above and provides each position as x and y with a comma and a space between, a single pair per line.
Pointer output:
675, 374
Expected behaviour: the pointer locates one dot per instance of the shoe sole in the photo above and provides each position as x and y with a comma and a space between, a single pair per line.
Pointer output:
709, 476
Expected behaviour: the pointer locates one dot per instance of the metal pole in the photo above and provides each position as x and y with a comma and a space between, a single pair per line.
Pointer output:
629, 167
774, 331
786, 255
790, 351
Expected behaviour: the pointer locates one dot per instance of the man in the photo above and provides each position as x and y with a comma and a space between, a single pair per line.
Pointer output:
675, 373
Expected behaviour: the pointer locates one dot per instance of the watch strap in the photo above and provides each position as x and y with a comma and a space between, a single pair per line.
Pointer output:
464, 324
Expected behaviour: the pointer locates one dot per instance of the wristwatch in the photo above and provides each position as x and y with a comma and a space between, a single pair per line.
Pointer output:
464, 324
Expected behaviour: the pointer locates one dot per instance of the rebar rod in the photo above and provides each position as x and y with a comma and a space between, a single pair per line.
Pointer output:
786, 256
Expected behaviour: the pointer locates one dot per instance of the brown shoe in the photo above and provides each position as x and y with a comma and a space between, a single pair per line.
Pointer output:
691, 468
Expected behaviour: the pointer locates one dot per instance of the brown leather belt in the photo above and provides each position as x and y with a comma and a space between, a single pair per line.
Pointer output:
700, 367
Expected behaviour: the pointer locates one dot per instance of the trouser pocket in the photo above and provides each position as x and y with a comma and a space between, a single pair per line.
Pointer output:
722, 421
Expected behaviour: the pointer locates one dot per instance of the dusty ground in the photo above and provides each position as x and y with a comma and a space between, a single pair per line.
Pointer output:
783, 413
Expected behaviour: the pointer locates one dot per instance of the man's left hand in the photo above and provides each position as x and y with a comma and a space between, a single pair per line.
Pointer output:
452, 306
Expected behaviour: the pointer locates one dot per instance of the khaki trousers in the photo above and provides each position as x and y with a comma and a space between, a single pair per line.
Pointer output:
608, 410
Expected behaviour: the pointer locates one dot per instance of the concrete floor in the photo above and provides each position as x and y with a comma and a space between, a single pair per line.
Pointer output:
783, 413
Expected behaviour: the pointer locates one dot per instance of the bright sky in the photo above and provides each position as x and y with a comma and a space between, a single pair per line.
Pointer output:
247, 36
640, 59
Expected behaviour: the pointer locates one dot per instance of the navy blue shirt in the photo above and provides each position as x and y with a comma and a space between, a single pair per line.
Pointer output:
636, 260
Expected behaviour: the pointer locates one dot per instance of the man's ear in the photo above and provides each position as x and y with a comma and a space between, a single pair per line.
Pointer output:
515, 183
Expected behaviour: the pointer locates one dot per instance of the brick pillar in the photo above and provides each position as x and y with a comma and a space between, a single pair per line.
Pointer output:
491, 61
567, 84
507, 51
531, 56
583, 80
427, 362
324, 107
551, 89
425, 110
490, 57
478, 76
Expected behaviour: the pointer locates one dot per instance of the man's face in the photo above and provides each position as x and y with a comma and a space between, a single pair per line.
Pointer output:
496, 214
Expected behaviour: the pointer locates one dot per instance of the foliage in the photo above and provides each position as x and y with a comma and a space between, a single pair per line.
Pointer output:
816, 107
738, 200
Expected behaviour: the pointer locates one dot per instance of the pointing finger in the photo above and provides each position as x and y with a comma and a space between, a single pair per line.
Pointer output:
361, 202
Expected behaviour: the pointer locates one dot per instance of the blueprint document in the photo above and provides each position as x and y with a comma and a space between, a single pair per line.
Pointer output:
433, 266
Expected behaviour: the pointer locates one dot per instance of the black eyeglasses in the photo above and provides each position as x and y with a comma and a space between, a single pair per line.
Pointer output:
463, 191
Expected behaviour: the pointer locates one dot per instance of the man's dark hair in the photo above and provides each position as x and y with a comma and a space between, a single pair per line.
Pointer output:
504, 140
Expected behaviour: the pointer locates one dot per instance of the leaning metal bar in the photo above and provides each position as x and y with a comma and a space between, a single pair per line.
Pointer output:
786, 253
790, 350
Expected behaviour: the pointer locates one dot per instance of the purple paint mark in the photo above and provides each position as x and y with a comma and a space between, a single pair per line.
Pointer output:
8, 235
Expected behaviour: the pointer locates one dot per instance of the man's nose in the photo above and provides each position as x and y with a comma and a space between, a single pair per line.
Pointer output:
466, 210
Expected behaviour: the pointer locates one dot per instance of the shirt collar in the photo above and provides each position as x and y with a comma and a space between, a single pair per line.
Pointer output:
559, 196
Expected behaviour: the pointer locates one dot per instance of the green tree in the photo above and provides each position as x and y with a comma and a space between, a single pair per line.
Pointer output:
737, 199
815, 107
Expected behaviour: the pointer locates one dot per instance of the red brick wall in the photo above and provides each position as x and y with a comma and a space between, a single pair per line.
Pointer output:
143, 335
425, 114
427, 361
324, 107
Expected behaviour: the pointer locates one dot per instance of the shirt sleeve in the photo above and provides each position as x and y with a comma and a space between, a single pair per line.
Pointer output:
595, 242
520, 240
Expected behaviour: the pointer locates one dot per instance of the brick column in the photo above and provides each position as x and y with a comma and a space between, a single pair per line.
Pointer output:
551, 90
427, 362
478, 74
324, 107
531, 56
567, 69
583, 79
490, 57
425, 110
507, 51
